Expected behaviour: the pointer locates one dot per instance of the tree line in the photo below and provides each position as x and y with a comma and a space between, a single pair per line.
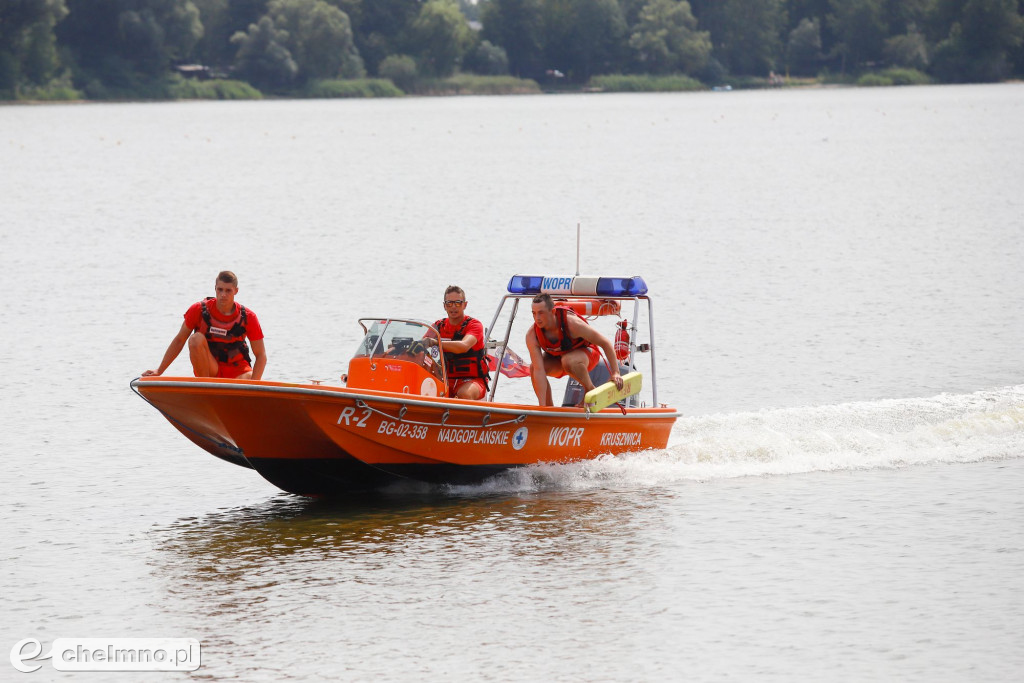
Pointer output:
137, 48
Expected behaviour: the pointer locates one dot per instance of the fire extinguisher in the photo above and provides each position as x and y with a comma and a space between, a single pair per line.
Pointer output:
621, 341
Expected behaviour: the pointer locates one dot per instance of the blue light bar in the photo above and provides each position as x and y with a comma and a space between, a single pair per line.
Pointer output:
525, 284
621, 286
578, 285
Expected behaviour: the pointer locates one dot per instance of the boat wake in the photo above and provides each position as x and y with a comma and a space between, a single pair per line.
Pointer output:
888, 434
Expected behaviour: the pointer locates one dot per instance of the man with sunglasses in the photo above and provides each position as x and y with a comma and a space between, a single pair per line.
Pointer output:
462, 342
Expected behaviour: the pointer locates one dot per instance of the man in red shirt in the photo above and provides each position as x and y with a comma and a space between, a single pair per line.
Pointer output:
215, 330
462, 342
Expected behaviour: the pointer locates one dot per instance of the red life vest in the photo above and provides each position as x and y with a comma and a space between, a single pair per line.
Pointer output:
472, 363
564, 343
225, 339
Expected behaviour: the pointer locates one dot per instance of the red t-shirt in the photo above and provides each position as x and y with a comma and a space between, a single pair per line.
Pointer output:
447, 332
475, 328
194, 316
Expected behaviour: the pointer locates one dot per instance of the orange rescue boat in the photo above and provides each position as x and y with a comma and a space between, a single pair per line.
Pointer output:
392, 421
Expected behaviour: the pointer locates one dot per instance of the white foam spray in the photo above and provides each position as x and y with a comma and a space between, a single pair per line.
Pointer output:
893, 433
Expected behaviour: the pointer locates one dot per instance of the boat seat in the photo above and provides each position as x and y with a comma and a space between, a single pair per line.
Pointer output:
599, 375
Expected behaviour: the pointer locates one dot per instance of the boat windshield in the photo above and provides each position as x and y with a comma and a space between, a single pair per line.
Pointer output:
401, 339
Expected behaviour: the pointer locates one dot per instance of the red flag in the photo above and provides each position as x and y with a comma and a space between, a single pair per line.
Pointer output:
511, 364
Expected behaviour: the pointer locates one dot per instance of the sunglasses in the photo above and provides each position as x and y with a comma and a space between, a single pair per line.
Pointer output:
454, 302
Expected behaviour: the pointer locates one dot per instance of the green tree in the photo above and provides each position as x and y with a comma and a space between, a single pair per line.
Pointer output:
584, 37
905, 15
631, 11
518, 27
400, 69
666, 40
991, 27
214, 46
222, 19
745, 34
803, 49
318, 37
28, 46
128, 44
1015, 55
487, 59
439, 37
263, 59
860, 30
909, 50
379, 27
817, 11
470, 9
982, 35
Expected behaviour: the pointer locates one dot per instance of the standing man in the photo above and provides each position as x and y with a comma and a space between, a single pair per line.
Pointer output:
462, 342
560, 343
215, 330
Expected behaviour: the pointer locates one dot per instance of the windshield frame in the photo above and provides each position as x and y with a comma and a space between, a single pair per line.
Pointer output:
382, 346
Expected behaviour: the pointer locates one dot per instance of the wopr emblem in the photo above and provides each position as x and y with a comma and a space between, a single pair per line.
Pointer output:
519, 438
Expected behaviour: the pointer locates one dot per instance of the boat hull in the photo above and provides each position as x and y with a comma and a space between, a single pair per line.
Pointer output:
266, 430
317, 440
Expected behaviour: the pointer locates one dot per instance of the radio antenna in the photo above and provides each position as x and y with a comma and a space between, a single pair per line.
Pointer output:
577, 250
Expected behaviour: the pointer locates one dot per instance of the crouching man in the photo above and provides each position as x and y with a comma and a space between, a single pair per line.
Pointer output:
562, 343
216, 330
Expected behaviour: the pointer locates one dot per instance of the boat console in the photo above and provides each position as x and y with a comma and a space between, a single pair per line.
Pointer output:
394, 356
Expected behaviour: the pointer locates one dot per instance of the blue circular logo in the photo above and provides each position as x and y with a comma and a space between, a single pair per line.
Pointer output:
519, 438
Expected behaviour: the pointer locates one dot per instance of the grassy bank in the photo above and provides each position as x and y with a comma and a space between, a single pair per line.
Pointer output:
216, 89
894, 77
363, 87
471, 84
644, 83
177, 88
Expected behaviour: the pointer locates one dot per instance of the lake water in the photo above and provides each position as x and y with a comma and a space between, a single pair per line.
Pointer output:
839, 292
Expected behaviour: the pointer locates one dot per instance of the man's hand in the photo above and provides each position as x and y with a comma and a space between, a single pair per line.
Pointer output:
617, 378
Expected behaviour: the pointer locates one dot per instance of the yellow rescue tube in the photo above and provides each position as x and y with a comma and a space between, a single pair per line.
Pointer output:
603, 396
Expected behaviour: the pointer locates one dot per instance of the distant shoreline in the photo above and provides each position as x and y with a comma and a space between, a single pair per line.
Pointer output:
792, 84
